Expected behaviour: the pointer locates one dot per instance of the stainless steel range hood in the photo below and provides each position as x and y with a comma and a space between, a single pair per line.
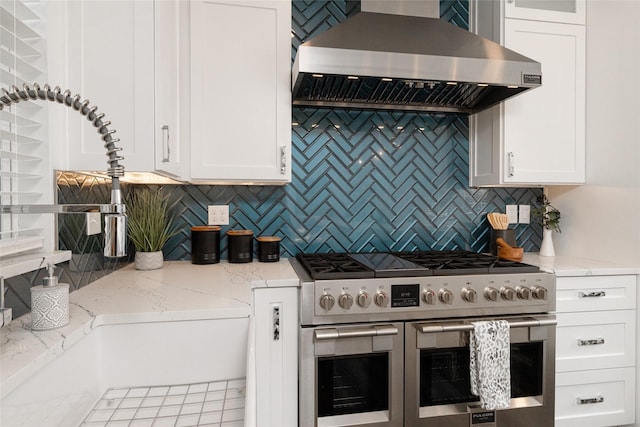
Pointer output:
394, 61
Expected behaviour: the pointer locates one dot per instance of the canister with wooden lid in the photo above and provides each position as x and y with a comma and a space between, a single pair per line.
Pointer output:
205, 244
240, 245
268, 248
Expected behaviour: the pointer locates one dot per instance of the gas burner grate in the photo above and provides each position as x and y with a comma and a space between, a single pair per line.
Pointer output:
334, 266
330, 266
450, 263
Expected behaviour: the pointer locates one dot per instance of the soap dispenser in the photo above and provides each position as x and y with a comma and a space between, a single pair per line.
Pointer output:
49, 303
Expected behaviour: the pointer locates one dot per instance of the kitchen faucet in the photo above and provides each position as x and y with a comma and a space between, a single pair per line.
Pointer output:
115, 220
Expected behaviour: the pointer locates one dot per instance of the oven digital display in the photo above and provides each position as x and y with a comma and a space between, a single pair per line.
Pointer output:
405, 295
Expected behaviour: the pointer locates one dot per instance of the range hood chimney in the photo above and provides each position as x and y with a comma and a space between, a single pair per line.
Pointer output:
398, 55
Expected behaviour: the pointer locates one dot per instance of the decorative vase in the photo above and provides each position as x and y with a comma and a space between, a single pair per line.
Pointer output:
148, 260
546, 248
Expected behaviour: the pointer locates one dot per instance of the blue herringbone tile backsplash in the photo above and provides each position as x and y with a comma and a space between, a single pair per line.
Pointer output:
362, 181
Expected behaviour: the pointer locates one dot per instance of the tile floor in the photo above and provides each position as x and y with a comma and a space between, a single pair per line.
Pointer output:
219, 404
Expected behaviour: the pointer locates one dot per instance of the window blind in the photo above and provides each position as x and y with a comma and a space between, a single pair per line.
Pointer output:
25, 176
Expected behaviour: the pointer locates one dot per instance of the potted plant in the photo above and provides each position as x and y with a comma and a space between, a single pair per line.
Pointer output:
549, 218
149, 227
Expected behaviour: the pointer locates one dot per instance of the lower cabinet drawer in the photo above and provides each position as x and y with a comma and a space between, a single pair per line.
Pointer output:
595, 398
595, 340
595, 293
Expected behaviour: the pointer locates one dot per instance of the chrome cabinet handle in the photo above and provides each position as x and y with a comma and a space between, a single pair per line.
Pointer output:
593, 294
283, 159
510, 163
589, 400
373, 331
166, 150
596, 341
276, 322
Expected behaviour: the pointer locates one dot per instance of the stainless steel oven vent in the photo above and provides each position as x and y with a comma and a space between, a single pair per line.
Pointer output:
397, 62
402, 94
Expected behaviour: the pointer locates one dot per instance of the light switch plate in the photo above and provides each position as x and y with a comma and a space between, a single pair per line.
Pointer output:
524, 214
512, 214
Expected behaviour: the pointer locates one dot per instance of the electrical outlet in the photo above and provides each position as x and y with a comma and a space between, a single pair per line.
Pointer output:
93, 223
524, 215
512, 214
218, 215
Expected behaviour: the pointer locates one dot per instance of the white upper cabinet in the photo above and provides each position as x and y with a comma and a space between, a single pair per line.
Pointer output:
537, 138
103, 50
563, 11
170, 139
196, 90
240, 91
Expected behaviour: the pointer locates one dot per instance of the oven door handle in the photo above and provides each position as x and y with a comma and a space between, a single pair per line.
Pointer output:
373, 331
430, 329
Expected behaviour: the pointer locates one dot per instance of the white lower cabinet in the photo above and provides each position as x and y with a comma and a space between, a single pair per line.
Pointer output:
275, 359
593, 398
595, 351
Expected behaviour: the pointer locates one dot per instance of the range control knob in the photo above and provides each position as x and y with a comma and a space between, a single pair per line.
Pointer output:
523, 292
327, 301
507, 293
469, 295
429, 297
345, 301
381, 299
446, 296
539, 292
363, 299
491, 293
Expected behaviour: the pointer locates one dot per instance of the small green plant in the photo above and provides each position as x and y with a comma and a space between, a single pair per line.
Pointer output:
547, 215
149, 225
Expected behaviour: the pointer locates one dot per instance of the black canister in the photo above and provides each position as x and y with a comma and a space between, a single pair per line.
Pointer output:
268, 248
205, 244
240, 245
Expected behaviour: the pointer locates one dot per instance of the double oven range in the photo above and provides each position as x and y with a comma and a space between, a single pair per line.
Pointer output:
384, 338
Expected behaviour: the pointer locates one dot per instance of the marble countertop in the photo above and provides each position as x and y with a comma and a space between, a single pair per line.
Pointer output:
178, 291
574, 266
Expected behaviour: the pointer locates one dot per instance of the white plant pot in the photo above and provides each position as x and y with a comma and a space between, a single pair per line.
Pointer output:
546, 248
148, 260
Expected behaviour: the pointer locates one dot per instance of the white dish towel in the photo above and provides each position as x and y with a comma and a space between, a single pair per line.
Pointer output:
489, 351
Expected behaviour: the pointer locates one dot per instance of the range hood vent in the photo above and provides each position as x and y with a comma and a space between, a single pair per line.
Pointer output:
398, 62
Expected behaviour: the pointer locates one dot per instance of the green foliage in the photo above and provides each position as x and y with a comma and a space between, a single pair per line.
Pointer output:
149, 226
547, 215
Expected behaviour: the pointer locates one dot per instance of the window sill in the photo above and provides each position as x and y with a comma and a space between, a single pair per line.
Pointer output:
20, 264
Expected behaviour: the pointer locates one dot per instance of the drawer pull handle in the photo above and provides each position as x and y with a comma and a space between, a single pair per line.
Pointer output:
596, 341
590, 400
594, 294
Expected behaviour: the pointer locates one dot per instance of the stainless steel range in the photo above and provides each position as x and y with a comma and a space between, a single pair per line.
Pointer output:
384, 338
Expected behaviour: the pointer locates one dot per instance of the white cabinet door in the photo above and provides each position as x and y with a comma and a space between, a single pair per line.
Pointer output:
544, 129
566, 11
169, 69
275, 313
107, 51
536, 138
240, 91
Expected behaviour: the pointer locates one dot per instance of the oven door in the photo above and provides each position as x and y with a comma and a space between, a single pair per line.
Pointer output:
351, 375
437, 384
